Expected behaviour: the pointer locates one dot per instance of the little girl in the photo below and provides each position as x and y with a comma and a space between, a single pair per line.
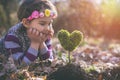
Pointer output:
31, 38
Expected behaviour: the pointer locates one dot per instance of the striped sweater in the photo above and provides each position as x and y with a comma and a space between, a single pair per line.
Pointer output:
17, 44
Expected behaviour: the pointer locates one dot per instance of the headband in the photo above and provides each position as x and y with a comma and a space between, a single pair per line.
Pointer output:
47, 13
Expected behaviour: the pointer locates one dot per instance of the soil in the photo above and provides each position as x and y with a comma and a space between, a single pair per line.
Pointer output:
69, 72
111, 74
75, 72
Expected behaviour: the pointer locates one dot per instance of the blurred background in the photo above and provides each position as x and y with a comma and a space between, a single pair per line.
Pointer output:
95, 18
99, 20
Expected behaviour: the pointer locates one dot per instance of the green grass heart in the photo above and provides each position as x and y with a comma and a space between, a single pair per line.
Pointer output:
70, 41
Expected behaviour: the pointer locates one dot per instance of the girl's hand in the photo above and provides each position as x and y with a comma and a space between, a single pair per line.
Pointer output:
48, 32
34, 35
43, 38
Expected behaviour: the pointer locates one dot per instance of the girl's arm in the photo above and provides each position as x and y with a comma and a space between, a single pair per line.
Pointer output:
12, 44
46, 50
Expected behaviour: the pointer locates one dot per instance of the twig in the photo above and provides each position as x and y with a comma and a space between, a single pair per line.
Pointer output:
69, 57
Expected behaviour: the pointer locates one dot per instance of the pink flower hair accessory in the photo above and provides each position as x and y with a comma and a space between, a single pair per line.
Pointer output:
41, 14
47, 13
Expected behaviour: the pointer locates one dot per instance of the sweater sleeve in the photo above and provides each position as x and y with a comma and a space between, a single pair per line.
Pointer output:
12, 44
46, 52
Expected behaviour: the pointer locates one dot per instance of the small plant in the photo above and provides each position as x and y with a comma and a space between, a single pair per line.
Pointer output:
70, 41
90, 68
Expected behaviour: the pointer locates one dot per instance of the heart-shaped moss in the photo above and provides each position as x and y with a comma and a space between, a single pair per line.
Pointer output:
70, 41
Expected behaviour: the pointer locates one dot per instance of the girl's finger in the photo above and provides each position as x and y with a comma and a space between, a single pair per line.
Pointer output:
40, 34
44, 37
33, 31
41, 37
37, 33
29, 31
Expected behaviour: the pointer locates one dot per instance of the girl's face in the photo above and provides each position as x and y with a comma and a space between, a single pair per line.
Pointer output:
41, 23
